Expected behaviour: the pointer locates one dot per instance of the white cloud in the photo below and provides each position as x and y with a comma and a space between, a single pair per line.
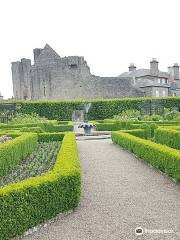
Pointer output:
108, 33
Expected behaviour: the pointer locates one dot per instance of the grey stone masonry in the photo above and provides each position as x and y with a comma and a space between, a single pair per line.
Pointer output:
55, 77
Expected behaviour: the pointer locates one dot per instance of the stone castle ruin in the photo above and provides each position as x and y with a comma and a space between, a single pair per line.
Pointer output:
55, 77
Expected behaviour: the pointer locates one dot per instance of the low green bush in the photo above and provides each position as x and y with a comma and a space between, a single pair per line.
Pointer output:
32, 201
149, 129
48, 137
48, 126
17, 126
32, 129
58, 128
136, 132
13, 151
63, 122
160, 156
168, 137
113, 126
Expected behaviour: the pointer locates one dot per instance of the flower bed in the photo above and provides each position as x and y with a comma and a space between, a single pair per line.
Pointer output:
34, 200
37, 163
14, 151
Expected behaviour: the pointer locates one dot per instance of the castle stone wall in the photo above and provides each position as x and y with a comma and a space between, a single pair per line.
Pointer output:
53, 77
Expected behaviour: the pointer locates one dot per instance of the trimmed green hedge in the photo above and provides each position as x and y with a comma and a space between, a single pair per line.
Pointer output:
100, 109
113, 126
168, 137
58, 128
48, 137
13, 151
32, 129
39, 127
136, 132
33, 201
17, 126
162, 157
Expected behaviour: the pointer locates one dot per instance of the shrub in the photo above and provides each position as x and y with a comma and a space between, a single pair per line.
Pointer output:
128, 115
162, 157
149, 129
136, 132
100, 108
32, 201
12, 152
48, 137
49, 127
17, 126
27, 118
32, 129
118, 125
168, 137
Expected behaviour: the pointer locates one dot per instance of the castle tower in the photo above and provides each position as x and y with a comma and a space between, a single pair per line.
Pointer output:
21, 79
37, 52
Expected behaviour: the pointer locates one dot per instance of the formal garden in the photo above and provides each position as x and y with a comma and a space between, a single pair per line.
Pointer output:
40, 173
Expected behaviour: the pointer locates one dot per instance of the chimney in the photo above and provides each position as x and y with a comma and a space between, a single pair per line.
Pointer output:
132, 67
37, 52
176, 71
154, 67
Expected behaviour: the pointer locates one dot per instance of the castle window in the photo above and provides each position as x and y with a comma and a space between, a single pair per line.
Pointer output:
73, 66
44, 91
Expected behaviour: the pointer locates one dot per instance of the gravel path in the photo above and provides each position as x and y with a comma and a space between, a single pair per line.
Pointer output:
119, 194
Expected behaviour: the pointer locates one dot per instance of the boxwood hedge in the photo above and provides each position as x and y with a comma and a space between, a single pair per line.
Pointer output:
168, 137
32, 201
100, 109
160, 156
13, 151
39, 127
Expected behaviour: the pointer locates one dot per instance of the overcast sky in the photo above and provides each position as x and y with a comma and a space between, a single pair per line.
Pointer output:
110, 34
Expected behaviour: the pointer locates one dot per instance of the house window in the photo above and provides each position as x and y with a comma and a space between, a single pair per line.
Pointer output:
73, 66
164, 93
157, 93
159, 80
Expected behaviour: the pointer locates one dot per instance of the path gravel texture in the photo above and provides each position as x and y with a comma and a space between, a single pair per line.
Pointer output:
119, 194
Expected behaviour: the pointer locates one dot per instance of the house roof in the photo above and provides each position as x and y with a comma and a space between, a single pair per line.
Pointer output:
143, 72
155, 85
